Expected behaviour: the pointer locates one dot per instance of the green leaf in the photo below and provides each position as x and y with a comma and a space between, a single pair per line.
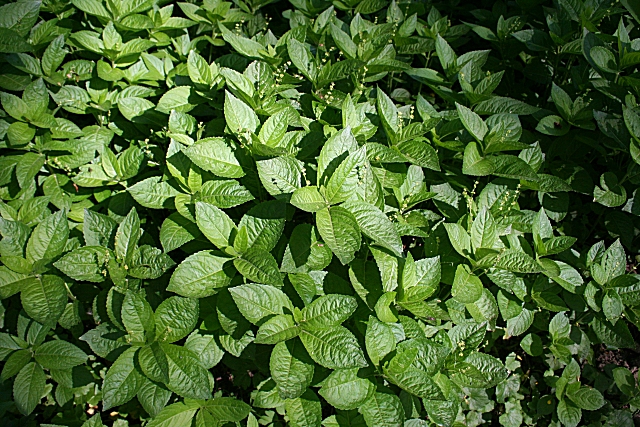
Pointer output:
413, 380
244, 46
98, 229
261, 227
519, 324
175, 318
215, 225
333, 348
49, 238
379, 340
291, 368
215, 155
301, 58
127, 237
420, 153
11, 282
129, 162
559, 327
334, 150
53, 56
532, 344
384, 309
187, 377
604, 59
12, 42
344, 389
92, 7
446, 55
259, 266
94, 421
14, 363
14, 106
631, 120
633, 9
20, 16
20, 134
176, 231
14, 237
227, 409
558, 244
149, 263
85, 264
44, 298
613, 261
587, 398
37, 98
239, 116
105, 341
8, 344
308, 199
480, 370
154, 363
441, 412
563, 102
617, 335
153, 397
625, 380
281, 176
179, 99
388, 114
383, 410
517, 262
376, 225
153, 193
344, 42
483, 231
346, 178
206, 348
59, 354
128, 139
29, 387
513, 167
257, 302
474, 164
278, 328
568, 414
133, 107
199, 70
327, 311
275, 128
305, 251
612, 306
224, 194
472, 122
610, 193
122, 381
137, 316
553, 125
339, 230
201, 275
176, 415
304, 411
459, 238
566, 276
467, 287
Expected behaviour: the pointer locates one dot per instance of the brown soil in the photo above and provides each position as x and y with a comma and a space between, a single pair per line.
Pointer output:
627, 358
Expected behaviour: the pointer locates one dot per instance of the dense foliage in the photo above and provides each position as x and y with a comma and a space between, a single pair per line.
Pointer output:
306, 213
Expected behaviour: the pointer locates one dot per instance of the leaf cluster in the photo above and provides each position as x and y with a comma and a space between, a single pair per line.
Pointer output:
363, 213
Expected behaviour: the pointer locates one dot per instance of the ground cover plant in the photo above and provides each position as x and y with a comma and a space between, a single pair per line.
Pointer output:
313, 213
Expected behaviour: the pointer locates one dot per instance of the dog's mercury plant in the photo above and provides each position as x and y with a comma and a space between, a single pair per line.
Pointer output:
308, 213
